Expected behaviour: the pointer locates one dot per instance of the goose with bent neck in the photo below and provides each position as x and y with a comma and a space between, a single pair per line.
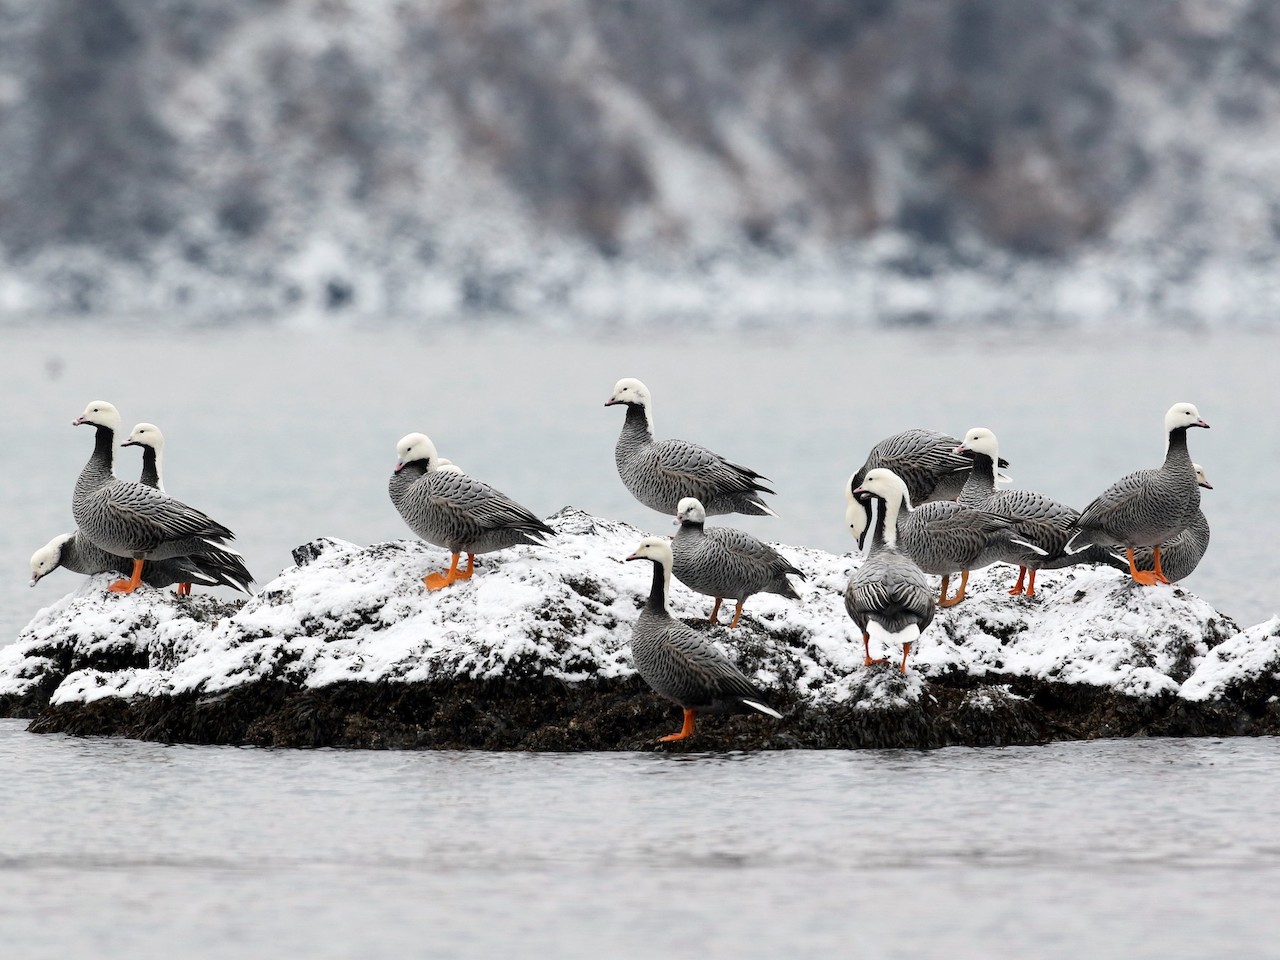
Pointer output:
888, 595
130, 519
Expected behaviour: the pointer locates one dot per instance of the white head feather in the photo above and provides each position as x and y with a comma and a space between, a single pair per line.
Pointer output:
1182, 415
48, 558
99, 413
690, 510
414, 447
631, 391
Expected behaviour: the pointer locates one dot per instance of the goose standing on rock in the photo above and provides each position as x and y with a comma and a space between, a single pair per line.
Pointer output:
724, 562
678, 663
942, 537
1147, 507
77, 554
130, 519
661, 473
1181, 555
925, 460
449, 509
888, 596
227, 566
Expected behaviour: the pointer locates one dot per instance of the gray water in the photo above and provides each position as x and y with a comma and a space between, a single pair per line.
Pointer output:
288, 434
1126, 849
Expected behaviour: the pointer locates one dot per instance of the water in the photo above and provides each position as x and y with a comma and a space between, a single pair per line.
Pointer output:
288, 434
1128, 849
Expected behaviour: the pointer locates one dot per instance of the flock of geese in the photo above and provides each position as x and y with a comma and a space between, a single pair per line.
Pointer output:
923, 504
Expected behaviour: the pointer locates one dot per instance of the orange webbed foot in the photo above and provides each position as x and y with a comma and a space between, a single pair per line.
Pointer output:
685, 731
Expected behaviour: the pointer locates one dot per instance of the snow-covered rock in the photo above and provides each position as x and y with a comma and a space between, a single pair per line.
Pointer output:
359, 615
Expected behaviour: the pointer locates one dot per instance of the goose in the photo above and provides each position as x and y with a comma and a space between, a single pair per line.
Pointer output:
1181, 555
942, 537
1148, 507
888, 594
79, 555
678, 663
925, 460
1042, 525
133, 520
452, 510
725, 562
660, 473
150, 440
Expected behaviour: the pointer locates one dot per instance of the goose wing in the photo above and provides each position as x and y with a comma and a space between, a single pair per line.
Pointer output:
693, 466
154, 517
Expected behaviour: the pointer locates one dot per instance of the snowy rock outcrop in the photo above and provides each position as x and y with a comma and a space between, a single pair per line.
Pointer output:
559, 618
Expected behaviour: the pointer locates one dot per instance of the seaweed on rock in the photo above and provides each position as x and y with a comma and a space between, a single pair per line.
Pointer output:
347, 649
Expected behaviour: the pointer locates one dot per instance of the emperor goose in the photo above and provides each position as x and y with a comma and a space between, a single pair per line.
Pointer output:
77, 554
130, 519
678, 663
724, 562
942, 537
925, 460
661, 473
888, 595
1147, 507
220, 563
1182, 554
450, 509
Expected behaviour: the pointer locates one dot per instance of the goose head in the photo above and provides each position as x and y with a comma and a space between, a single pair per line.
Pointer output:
48, 558
145, 435
980, 440
885, 485
99, 413
655, 549
630, 391
416, 447
690, 510
1182, 416
1201, 479
857, 514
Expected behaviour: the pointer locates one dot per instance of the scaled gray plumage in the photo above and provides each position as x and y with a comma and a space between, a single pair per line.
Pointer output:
78, 555
925, 460
677, 662
1180, 555
450, 509
726, 563
129, 519
661, 473
1147, 507
888, 590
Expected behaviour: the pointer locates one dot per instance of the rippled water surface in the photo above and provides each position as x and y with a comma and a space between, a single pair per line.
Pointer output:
1160, 848
286, 435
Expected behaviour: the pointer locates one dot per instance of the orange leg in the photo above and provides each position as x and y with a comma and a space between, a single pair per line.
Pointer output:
906, 648
1145, 577
736, 614
437, 581
964, 582
942, 594
1031, 582
1017, 587
866, 652
715, 612
471, 564
184, 589
130, 585
1159, 571
685, 731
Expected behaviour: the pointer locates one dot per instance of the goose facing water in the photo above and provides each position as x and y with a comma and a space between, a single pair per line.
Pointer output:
888, 595
660, 473
1147, 507
450, 509
130, 519
1180, 555
677, 662
79, 555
